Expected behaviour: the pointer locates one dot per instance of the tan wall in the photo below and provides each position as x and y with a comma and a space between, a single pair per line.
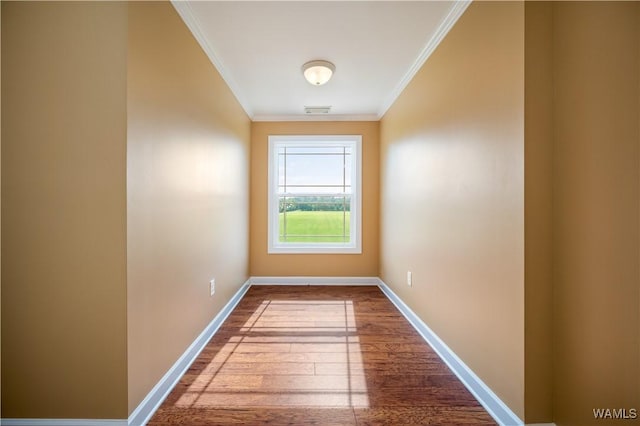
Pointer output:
264, 264
452, 195
64, 129
0, 217
187, 193
538, 186
595, 204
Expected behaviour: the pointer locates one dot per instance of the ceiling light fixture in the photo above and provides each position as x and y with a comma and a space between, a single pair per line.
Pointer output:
318, 72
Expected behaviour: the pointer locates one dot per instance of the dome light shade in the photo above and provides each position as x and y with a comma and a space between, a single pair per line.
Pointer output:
318, 72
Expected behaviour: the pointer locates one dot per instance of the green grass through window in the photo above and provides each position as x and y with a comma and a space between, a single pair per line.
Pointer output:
315, 227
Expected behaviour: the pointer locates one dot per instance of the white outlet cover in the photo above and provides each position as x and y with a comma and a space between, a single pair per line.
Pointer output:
409, 278
212, 287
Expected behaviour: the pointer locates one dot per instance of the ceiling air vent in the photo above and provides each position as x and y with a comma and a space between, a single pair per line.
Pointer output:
317, 109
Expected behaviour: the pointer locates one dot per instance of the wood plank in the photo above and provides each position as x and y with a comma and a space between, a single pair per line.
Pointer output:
252, 368
254, 416
312, 355
418, 416
379, 368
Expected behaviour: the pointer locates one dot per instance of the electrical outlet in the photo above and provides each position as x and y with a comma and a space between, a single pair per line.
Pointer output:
212, 286
409, 278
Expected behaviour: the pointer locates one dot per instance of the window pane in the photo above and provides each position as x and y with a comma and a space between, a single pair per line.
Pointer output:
347, 173
314, 219
280, 170
337, 189
311, 193
311, 170
325, 149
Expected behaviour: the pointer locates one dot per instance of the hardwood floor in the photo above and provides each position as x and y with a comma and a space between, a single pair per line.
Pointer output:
312, 355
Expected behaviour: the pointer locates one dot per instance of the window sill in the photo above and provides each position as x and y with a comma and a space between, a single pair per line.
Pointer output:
314, 250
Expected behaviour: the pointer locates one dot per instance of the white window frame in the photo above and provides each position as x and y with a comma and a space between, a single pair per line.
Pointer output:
355, 244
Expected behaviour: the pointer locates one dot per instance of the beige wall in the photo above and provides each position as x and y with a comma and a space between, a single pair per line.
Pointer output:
452, 195
538, 186
187, 193
365, 264
125, 190
509, 184
64, 129
595, 209
0, 216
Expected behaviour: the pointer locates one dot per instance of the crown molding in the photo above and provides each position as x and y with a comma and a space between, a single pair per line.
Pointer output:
447, 23
324, 117
186, 13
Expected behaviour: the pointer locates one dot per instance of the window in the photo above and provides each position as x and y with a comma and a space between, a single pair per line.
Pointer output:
314, 194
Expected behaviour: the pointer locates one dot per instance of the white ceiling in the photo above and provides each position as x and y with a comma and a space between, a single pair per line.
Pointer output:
259, 48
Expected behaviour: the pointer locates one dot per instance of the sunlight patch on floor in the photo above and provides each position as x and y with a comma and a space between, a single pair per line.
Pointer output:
286, 354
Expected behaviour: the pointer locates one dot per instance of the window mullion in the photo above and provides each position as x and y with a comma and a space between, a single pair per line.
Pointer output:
284, 212
344, 190
284, 219
311, 195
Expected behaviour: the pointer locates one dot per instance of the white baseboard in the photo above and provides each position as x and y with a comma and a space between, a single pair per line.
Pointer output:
489, 400
314, 280
141, 415
152, 401
63, 422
